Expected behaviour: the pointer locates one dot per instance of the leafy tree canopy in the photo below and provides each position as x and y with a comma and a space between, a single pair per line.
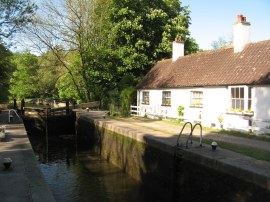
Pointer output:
142, 31
6, 68
49, 72
106, 46
14, 14
24, 78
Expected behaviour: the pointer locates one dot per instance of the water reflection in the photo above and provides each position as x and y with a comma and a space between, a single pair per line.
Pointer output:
81, 175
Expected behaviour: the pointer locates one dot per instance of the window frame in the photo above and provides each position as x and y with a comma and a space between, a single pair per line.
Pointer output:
146, 97
242, 100
166, 98
196, 98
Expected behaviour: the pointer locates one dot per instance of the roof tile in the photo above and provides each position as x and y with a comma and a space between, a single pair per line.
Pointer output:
213, 68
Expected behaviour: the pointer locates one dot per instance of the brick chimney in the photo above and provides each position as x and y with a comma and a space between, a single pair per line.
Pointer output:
178, 49
241, 33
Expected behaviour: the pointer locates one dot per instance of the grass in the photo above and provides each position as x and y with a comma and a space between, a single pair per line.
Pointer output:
263, 137
249, 135
245, 150
256, 153
176, 122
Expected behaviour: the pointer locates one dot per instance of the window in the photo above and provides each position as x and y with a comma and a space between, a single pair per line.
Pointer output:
145, 99
237, 98
196, 98
240, 99
166, 98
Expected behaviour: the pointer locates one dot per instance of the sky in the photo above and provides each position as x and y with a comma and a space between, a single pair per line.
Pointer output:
212, 19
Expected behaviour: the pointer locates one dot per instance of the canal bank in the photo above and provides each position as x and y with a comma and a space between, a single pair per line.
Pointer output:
148, 155
23, 181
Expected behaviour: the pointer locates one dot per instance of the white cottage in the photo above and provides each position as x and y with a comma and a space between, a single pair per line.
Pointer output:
227, 88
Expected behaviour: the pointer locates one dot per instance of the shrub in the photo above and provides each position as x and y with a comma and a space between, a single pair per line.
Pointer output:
181, 113
126, 98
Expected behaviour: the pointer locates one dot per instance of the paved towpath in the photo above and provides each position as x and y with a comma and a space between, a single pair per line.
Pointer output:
169, 129
173, 129
23, 181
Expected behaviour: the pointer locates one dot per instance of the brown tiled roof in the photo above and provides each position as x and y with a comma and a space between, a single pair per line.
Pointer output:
213, 68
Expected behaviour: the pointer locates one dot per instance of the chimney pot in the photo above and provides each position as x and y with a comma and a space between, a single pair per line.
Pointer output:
239, 18
178, 39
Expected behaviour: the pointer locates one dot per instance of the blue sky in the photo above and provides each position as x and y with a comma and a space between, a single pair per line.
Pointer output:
212, 19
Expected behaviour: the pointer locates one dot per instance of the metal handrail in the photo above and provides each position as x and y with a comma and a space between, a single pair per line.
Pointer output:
190, 135
9, 115
198, 124
177, 143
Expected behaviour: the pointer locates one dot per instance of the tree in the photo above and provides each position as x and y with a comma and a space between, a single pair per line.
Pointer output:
49, 72
221, 42
191, 46
127, 97
23, 83
141, 32
72, 32
14, 15
6, 68
101, 43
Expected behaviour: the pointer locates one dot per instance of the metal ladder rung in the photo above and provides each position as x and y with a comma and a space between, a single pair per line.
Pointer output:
190, 134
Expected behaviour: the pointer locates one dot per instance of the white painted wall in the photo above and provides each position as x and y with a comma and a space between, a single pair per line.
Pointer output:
216, 103
261, 102
178, 50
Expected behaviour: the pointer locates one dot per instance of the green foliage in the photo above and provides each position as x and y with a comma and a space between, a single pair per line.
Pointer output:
106, 46
66, 89
49, 72
180, 112
24, 79
14, 15
191, 46
101, 73
114, 101
126, 97
142, 32
6, 68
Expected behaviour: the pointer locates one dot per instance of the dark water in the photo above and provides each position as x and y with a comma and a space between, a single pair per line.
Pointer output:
81, 175
76, 174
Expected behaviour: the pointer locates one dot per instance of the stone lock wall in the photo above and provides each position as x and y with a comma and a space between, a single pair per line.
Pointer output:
179, 179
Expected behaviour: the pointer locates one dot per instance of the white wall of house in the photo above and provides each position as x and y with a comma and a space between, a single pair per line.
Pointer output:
216, 104
261, 102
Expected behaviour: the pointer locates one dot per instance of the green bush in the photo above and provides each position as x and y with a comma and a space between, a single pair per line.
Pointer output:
181, 112
113, 100
126, 98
